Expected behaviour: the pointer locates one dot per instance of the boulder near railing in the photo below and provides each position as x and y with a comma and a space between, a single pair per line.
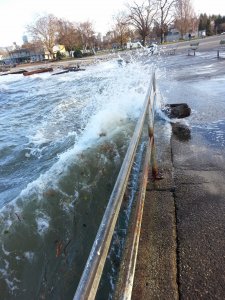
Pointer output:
88, 285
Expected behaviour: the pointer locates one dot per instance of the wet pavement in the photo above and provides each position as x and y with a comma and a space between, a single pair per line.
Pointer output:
182, 244
199, 177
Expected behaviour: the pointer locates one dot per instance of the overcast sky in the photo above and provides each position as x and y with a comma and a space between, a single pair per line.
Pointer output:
16, 14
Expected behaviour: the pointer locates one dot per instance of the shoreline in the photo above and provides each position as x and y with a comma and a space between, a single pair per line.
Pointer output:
61, 64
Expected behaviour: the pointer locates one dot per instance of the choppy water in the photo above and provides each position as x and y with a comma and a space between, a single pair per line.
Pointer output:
62, 142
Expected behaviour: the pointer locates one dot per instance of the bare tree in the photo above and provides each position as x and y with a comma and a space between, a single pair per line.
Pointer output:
68, 35
87, 34
166, 15
45, 31
185, 16
121, 28
142, 17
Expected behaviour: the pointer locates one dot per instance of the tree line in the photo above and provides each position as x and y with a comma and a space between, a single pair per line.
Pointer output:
213, 24
143, 21
49, 30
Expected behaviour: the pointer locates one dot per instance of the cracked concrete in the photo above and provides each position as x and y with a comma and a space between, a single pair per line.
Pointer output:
156, 269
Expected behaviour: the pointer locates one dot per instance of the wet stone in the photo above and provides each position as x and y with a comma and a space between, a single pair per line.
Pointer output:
179, 111
181, 132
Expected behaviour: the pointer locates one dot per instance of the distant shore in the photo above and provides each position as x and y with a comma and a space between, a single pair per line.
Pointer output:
82, 62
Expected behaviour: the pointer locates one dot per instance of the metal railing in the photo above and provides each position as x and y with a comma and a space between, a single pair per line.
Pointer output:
91, 276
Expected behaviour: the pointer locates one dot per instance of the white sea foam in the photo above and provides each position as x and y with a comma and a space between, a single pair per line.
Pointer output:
121, 99
10, 79
56, 124
7, 274
4, 88
103, 101
5, 251
42, 221
118, 99
29, 255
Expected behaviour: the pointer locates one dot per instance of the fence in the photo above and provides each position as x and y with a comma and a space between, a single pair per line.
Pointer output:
91, 276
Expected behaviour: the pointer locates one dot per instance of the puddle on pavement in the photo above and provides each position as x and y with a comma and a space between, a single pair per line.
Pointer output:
214, 133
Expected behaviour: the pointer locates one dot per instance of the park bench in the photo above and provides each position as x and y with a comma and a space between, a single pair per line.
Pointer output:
193, 47
169, 50
221, 47
172, 51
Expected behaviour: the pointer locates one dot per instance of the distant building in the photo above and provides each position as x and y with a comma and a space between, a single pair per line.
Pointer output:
59, 48
173, 35
30, 54
25, 39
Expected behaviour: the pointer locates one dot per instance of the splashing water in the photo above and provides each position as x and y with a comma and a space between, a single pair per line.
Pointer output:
63, 140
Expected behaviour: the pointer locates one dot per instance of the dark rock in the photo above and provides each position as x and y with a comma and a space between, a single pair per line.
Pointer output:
181, 131
61, 72
18, 72
101, 134
42, 70
73, 69
180, 110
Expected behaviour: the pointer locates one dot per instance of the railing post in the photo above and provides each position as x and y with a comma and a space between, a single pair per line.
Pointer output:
153, 83
154, 164
151, 112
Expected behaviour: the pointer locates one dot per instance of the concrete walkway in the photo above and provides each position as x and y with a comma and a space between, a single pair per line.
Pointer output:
156, 269
182, 245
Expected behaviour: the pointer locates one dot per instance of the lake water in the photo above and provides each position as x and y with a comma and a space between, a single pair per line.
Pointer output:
62, 142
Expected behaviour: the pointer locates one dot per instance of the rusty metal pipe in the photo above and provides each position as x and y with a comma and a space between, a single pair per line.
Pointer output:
128, 276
